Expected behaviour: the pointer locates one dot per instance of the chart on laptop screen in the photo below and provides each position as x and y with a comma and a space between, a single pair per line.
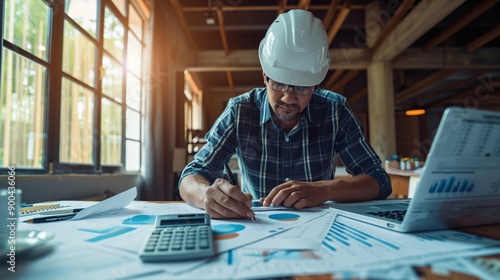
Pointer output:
465, 157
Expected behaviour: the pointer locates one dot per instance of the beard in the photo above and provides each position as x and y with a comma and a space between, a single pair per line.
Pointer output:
286, 112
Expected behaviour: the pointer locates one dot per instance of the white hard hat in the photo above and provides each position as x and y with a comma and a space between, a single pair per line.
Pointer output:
295, 49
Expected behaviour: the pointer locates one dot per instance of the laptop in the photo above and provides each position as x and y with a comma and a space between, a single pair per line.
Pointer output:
459, 185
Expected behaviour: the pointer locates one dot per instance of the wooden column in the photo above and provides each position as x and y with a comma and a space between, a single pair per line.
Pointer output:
381, 109
380, 88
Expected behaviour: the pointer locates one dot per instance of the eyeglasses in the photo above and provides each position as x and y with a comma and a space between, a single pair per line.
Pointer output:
297, 90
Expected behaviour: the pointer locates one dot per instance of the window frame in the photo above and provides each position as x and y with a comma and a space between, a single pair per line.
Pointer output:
51, 163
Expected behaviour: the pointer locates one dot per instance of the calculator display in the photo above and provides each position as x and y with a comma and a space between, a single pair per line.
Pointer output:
183, 221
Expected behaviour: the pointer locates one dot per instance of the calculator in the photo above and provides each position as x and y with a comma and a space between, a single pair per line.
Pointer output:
179, 237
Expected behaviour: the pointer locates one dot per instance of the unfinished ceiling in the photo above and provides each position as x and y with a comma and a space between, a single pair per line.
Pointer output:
442, 51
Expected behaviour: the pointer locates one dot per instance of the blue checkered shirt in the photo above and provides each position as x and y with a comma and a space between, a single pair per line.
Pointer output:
268, 156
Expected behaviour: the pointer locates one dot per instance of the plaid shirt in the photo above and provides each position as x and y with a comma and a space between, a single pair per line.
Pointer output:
268, 156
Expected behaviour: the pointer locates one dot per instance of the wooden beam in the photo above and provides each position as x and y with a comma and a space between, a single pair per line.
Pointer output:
281, 6
220, 20
439, 58
471, 96
345, 58
304, 4
353, 58
483, 39
268, 8
221, 68
335, 76
410, 92
453, 86
400, 12
421, 19
355, 98
330, 13
459, 24
230, 82
346, 79
182, 20
339, 20
381, 117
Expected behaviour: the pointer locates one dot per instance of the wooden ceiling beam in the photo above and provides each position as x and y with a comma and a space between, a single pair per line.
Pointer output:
409, 93
268, 8
330, 13
483, 39
220, 19
419, 21
470, 96
353, 58
282, 6
304, 4
230, 82
182, 20
346, 79
453, 86
335, 76
398, 15
440, 58
358, 96
341, 59
459, 24
339, 20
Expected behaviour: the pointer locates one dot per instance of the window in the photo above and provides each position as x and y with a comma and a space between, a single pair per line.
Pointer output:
71, 98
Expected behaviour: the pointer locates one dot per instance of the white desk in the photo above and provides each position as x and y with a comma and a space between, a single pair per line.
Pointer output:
104, 247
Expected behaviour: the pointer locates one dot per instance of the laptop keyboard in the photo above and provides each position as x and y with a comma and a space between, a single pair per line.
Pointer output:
396, 215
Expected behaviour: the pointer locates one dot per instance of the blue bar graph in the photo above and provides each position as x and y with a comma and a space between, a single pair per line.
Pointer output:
343, 235
464, 185
452, 185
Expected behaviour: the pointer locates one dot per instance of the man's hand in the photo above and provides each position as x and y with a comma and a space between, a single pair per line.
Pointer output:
297, 195
223, 200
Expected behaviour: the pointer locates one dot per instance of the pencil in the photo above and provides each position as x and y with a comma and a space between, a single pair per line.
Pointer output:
232, 180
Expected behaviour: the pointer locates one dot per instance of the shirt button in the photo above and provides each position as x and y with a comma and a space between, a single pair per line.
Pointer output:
287, 179
287, 139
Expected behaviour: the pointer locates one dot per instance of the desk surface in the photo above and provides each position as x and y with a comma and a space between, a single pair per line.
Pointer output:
114, 251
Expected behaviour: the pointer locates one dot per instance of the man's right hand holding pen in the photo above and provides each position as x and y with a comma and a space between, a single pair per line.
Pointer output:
222, 199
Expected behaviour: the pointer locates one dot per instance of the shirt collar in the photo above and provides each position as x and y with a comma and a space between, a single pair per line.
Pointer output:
265, 108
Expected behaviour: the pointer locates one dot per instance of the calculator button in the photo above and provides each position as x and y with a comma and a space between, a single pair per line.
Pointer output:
203, 244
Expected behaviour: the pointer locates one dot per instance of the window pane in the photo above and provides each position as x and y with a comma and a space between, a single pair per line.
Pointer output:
77, 123
22, 112
133, 156
133, 92
83, 12
78, 55
111, 133
133, 125
113, 35
112, 79
134, 55
120, 4
26, 25
135, 22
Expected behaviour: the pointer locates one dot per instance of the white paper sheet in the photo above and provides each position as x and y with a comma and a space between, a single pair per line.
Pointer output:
113, 203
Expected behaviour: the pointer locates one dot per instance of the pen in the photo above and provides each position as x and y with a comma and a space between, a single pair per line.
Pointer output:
232, 180
54, 218
51, 219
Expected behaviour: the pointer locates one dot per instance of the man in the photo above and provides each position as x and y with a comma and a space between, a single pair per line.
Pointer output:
286, 134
